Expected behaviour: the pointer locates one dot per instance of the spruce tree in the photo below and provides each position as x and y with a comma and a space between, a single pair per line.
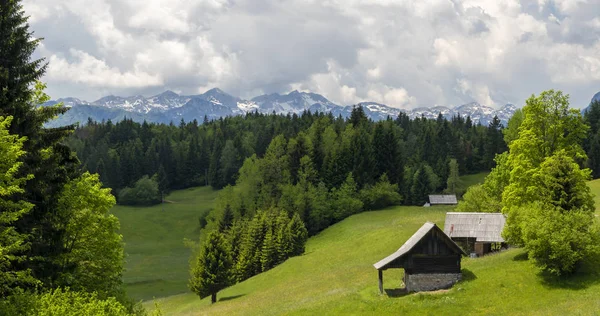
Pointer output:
421, 187
212, 272
268, 255
227, 218
51, 163
298, 234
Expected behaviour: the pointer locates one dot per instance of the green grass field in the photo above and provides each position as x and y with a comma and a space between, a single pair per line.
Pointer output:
156, 258
336, 277
472, 179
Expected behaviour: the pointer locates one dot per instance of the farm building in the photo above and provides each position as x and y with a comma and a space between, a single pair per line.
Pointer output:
430, 259
445, 199
481, 230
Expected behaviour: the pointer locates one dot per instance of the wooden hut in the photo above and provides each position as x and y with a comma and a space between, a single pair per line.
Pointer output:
430, 259
443, 199
478, 230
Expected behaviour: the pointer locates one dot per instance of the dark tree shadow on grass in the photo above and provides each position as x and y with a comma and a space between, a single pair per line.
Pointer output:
467, 275
588, 274
521, 257
227, 298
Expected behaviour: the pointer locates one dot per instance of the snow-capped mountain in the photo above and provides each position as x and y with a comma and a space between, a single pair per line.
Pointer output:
215, 103
293, 102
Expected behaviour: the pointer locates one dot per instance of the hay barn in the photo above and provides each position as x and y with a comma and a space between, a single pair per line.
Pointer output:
479, 231
430, 259
445, 199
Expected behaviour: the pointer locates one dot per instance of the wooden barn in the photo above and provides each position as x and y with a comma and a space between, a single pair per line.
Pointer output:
443, 199
430, 259
479, 231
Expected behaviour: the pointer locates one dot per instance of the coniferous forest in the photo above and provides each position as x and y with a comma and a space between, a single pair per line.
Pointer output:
162, 157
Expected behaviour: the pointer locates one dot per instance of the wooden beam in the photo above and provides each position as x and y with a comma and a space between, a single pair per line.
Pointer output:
380, 281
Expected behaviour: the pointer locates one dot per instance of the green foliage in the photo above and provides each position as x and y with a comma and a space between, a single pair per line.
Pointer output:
212, 271
453, 184
477, 199
380, 195
422, 186
93, 248
145, 192
511, 132
345, 200
557, 240
549, 127
12, 243
65, 302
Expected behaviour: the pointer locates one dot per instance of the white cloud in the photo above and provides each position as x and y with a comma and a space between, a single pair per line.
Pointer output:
87, 69
400, 52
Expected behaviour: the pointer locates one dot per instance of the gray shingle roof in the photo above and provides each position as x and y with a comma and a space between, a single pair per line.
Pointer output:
410, 244
443, 199
485, 227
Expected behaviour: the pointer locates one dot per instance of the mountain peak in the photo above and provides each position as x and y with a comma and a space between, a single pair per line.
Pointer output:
168, 94
216, 91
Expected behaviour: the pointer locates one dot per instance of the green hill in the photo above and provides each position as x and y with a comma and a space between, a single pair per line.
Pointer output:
335, 275
156, 257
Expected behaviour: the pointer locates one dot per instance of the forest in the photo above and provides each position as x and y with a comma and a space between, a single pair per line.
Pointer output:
192, 154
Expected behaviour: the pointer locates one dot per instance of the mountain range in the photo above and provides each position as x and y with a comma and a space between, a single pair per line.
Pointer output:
171, 107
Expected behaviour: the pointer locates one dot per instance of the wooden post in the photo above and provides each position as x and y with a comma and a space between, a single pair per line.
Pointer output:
380, 281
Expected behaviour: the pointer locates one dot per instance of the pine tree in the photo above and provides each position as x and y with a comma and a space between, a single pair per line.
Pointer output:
453, 183
227, 218
212, 271
51, 162
268, 255
421, 187
283, 237
12, 243
299, 235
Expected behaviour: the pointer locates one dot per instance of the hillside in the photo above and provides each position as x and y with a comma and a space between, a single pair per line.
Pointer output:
335, 276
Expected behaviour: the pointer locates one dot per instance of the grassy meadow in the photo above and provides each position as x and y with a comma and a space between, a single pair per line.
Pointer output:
156, 257
335, 276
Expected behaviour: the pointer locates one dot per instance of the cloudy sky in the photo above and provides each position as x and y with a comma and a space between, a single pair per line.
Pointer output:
398, 52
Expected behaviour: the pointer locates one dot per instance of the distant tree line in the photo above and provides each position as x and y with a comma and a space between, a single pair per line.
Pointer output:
413, 153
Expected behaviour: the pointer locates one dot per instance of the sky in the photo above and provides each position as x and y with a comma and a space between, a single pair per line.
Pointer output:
401, 53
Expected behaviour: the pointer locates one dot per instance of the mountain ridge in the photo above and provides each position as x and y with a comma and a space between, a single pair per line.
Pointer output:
215, 103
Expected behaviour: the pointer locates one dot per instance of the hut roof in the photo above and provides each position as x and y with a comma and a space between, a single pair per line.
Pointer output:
411, 243
443, 199
486, 227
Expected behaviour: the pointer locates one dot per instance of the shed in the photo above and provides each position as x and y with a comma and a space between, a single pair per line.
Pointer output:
443, 199
430, 259
478, 229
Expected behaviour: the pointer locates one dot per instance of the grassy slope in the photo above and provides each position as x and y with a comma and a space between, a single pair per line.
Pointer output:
595, 186
336, 276
157, 260
472, 179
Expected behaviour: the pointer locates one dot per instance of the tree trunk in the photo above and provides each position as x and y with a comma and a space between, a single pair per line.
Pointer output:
213, 298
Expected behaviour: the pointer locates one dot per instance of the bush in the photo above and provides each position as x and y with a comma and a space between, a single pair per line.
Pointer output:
61, 302
382, 194
145, 192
